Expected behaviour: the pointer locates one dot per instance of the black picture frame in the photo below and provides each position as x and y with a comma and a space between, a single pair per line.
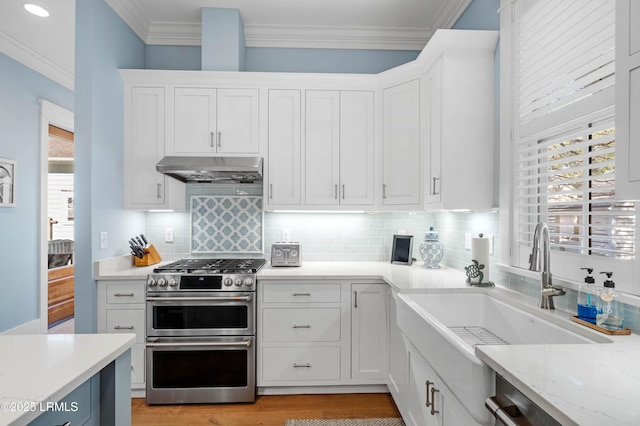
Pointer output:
402, 250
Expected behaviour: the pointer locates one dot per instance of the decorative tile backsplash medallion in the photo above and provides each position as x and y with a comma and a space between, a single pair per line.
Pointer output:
224, 224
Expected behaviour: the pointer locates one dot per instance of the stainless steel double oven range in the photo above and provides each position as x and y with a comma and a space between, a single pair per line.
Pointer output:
201, 331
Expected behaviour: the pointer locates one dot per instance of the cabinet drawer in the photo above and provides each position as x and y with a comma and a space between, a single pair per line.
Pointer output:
125, 293
126, 321
303, 364
301, 325
301, 293
137, 364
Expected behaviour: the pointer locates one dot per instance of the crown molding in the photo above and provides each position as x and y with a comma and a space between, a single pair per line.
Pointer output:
333, 37
29, 58
292, 36
132, 15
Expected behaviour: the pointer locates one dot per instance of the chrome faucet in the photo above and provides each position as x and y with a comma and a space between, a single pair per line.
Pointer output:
548, 291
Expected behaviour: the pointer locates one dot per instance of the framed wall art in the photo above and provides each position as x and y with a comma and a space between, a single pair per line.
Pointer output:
7, 182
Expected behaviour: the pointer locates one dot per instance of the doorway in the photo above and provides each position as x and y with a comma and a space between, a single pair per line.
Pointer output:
56, 219
60, 234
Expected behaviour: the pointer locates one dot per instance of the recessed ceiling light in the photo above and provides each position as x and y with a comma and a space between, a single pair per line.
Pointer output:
36, 10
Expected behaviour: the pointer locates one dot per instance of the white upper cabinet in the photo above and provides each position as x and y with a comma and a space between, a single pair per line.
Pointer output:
339, 144
627, 100
144, 138
205, 121
284, 158
401, 174
356, 148
322, 147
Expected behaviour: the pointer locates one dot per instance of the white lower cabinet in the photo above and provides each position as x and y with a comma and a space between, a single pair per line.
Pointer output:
121, 309
314, 333
369, 337
398, 380
430, 401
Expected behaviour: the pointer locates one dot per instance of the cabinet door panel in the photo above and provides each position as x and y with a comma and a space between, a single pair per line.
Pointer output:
284, 147
322, 147
369, 331
145, 148
237, 121
194, 121
401, 144
433, 185
356, 148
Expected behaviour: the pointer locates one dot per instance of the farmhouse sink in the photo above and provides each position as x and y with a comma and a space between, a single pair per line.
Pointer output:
446, 326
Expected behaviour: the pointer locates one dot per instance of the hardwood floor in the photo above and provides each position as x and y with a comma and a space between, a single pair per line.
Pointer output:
268, 410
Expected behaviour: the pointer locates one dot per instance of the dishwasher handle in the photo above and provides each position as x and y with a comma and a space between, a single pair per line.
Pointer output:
505, 411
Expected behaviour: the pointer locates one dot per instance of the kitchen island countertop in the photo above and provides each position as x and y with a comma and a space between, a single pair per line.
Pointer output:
40, 368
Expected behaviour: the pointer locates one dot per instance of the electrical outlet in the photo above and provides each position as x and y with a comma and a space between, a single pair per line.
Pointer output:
402, 232
168, 235
104, 240
467, 240
286, 235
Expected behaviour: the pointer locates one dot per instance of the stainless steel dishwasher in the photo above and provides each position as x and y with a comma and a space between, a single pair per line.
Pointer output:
511, 407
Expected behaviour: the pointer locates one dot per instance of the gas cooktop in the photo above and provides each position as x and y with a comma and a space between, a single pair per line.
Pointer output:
212, 266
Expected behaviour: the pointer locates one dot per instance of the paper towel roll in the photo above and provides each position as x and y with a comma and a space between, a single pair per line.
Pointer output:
480, 252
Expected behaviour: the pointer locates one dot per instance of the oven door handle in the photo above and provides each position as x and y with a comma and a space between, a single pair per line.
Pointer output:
246, 343
199, 299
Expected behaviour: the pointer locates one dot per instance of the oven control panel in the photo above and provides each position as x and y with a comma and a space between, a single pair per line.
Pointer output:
159, 282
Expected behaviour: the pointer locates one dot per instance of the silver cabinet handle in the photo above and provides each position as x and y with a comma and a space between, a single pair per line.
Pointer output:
302, 326
159, 186
302, 294
343, 191
307, 365
123, 295
355, 299
219, 139
435, 179
384, 191
433, 401
123, 327
211, 142
271, 191
335, 191
428, 403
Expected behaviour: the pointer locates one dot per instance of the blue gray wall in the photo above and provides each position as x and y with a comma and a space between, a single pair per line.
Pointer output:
20, 89
99, 147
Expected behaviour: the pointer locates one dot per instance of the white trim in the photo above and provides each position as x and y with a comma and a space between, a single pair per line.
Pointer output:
29, 58
292, 36
296, 390
31, 327
59, 117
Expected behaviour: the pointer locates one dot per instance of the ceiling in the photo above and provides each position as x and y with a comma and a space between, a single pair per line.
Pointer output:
47, 44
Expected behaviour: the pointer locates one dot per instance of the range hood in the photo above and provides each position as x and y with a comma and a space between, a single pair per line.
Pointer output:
212, 169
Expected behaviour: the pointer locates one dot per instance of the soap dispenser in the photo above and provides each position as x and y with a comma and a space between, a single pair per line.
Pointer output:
587, 294
609, 311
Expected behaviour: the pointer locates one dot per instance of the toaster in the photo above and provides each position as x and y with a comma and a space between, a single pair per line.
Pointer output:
285, 254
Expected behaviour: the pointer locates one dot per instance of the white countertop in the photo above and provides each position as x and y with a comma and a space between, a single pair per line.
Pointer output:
41, 368
582, 384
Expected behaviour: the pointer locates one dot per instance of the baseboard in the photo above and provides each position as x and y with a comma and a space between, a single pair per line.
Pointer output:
31, 327
297, 390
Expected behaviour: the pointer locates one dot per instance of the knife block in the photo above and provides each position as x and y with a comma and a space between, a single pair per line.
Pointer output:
151, 257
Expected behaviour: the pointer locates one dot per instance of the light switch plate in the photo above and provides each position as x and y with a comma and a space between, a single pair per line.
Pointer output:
286, 235
104, 240
168, 235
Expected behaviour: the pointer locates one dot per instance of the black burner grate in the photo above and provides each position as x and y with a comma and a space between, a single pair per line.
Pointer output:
213, 266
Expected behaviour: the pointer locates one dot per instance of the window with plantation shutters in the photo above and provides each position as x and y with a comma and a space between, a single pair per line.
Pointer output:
564, 133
